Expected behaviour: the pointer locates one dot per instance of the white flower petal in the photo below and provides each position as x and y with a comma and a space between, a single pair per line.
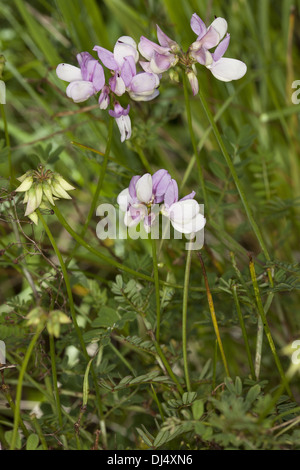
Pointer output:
193, 226
143, 96
144, 188
124, 125
124, 199
120, 87
184, 211
220, 25
80, 90
68, 73
227, 70
125, 47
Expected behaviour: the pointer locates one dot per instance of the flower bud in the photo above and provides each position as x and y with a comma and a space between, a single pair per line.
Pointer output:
25, 185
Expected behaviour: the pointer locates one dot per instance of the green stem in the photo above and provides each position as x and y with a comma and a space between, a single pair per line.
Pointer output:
73, 315
122, 358
160, 409
235, 177
244, 332
98, 188
143, 159
39, 432
20, 386
157, 293
184, 318
167, 365
54, 379
9, 399
213, 316
193, 138
267, 328
7, 141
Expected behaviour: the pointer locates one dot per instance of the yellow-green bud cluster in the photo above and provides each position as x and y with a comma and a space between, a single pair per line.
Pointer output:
52, 320
42, 187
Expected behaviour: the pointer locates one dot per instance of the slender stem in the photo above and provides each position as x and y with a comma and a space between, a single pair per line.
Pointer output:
5, 390
193, 138
160, 409
7, 141
213, 315
215, 358
98, 188
143, 158
244, 332
39, 432
267, 328
54, 379
184, 318
122, 358
20, 386
157, 293
259, 345
73, 314
165, 363
235, 177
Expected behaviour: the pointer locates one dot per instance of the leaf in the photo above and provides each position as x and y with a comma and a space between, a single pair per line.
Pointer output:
188, 397
161, 438
144, 437
86, 383
253, 394
198, 409
32, 442
8, 437
107, 317
238, 386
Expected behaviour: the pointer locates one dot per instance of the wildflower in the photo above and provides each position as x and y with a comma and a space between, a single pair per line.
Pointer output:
122, 118
125, 47
53, 319
42, 187
104, 98
145, 191
85, 80
161, 57
184, 214
223, 69
122, 63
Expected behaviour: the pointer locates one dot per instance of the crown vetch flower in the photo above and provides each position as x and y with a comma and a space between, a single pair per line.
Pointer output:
122, 63
122, 118
161, 57
85, 80
125, 47
215, 35
184, 214
145, 191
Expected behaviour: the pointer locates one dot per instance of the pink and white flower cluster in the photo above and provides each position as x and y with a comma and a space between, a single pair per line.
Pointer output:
137, 202
89, 78
161, 57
